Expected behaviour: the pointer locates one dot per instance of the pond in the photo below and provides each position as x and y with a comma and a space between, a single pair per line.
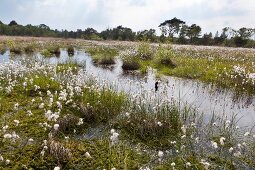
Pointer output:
192, 93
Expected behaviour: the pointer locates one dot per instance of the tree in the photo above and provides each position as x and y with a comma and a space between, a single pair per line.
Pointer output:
13, 23
171, 26
43, 26
224, 35
244, 33
193, 32
147, 35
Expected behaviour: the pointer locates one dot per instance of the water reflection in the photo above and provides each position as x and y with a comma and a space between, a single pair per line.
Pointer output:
206, 98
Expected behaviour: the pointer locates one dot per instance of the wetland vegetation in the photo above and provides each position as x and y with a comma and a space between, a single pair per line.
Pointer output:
60, 115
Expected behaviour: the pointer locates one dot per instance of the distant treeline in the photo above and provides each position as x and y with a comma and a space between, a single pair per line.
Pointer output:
174, 30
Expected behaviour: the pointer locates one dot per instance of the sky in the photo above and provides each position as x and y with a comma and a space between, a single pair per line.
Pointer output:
211, 15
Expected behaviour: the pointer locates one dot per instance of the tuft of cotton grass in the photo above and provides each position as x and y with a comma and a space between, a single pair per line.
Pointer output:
56, 126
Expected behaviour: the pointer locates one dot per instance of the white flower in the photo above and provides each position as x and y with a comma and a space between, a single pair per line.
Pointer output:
173, 164
206, 164
7, 136
114, 138
30, 140
56, 126
183, 128
251, 76
7, 162
57, 168
41, 106
173, 142
160, 154
87, 155
197, 139
222, 139
127, 114
5, 128
247, 134
80, 121
1, 158
25, 84
230, 149
112, 131
159, 123
113, 168
237, 154
16, 106
29, 113
42, 152
16, 122
188, 164
214, 144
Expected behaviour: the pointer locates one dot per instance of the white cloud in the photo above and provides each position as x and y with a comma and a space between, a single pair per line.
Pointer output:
137, 14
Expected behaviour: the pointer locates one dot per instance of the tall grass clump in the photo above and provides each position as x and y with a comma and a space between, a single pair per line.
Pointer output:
70, 50
99, 106
2, 49
164, 56
54, 49
155, 127
30, 48
130, 63
144, 51
102, 55
14, 47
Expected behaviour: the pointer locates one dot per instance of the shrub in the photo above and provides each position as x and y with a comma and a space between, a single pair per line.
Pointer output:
30, 48
131, 63
145, 51
164, 57
54, 50
70, 50
46, 53
105, 60
16, 50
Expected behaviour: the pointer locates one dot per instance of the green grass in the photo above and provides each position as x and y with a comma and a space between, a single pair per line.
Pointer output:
144, 129
102, 55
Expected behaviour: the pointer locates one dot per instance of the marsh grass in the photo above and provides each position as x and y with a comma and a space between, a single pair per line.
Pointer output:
2, 48
144, 51
46, 53
70, 50
131, 63
102, 55
155, 128
100, 106
144, 128
30, 48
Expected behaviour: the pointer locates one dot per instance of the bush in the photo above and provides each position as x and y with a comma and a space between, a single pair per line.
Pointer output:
70, 50
102, 55
54, 50
130, 63
46, 53
30, 48
164, 57
145, 51
16, 50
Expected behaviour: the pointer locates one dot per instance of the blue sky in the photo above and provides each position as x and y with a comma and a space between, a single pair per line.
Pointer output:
211, 15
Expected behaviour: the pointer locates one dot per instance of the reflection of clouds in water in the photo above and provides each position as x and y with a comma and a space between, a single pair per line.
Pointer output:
205, 98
